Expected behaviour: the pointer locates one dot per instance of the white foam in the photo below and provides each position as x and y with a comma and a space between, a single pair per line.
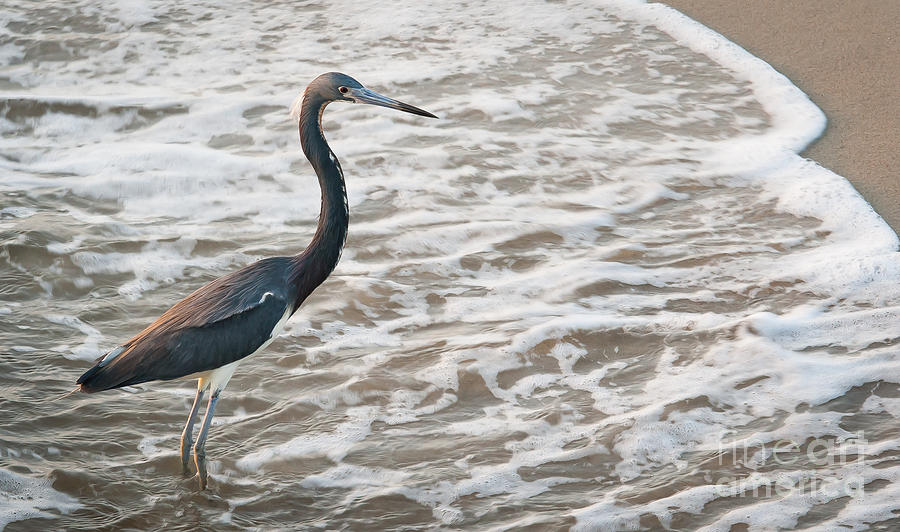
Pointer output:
334, 445
350, 476
23, 497
89, 349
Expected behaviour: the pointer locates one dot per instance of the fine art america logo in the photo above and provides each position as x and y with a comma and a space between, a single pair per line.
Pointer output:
824, 467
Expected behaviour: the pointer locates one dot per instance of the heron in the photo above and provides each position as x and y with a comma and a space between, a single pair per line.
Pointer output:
208, 333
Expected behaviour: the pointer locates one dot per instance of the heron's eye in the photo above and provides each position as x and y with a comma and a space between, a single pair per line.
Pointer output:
344, 90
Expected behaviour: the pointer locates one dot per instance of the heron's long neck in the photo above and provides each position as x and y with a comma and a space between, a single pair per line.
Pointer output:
316, 262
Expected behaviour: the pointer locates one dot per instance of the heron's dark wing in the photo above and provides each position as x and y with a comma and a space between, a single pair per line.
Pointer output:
224, 321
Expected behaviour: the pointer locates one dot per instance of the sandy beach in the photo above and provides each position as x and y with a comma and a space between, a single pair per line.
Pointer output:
844, 56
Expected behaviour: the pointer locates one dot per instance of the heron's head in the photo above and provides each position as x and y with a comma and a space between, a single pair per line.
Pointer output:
337, 87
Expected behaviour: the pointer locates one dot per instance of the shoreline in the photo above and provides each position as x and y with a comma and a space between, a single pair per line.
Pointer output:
844, 57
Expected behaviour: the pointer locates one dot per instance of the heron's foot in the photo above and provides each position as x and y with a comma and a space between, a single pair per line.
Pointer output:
200, 444
185, 468
200, 461
186, 440
186, 444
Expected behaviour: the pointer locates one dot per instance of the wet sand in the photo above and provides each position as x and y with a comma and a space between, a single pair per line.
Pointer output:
844, 56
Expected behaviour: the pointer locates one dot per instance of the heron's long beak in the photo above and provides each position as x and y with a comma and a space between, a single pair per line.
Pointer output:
364, 95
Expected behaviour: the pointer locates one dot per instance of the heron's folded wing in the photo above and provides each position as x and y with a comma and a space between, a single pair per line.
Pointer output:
173, 352
226, 340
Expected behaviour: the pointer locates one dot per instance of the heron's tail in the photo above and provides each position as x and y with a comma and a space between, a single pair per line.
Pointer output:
84, 381
98, 378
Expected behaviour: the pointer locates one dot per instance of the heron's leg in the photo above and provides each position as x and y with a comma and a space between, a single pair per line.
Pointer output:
186, 440
200, 446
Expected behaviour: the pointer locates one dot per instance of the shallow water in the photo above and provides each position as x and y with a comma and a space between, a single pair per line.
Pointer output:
601, 292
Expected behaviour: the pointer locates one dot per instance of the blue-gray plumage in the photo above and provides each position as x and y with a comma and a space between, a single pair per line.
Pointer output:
207, 333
